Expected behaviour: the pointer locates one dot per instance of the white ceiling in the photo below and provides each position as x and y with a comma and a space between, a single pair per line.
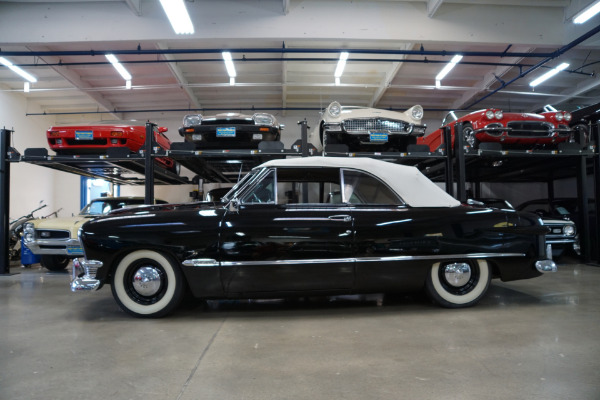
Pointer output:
290, 49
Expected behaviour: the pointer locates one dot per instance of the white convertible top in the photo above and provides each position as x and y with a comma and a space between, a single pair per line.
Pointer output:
408, 182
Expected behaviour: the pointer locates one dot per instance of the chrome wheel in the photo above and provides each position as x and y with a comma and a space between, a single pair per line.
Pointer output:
469, 135
147, 284
458, 283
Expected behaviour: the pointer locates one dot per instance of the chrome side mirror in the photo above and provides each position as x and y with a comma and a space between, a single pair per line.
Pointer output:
234, 205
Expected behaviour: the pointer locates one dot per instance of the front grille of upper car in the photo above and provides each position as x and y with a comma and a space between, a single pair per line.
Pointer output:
51, 234
376, 125
227, 122
530, 129
94, 142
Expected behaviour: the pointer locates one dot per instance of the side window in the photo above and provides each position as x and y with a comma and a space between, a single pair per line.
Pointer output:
261, 192
362, 188
308, 186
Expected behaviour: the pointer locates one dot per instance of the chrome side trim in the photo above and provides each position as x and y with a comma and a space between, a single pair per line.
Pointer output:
372, 259
546, 266
201, 262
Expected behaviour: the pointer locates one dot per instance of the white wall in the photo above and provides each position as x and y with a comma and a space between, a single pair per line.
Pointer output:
30, 184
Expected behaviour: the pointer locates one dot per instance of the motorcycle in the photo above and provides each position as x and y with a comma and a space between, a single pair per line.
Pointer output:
15, 231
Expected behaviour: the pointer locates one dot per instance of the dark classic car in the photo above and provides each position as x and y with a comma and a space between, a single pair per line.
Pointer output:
562, 234
230, 130
97, 137
512, 130
315, 225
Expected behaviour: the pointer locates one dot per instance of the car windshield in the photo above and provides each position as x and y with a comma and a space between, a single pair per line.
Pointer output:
238, 185
104, 206
453, 116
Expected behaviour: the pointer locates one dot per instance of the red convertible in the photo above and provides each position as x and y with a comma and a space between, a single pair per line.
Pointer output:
514, 130
97, 137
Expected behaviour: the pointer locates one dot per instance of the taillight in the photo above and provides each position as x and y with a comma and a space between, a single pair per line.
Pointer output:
116, 133
53, 133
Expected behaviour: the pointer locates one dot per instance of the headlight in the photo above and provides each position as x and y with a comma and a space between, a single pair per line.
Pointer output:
334, 109
29, 232
489, 114
498, 114
558, 116
568, 230
567, 116
192, 119
417, 112
263, 119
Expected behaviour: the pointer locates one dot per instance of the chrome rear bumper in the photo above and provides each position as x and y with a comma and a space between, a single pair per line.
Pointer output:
84, 275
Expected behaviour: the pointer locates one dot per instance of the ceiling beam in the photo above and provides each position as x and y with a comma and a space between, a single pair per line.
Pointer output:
432, 7
183, 82
74, 79
135, 6
286, 7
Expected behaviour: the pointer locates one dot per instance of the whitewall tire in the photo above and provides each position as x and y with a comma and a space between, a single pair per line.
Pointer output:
458, 284
147, 284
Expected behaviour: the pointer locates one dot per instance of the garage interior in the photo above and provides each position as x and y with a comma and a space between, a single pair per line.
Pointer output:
533, 339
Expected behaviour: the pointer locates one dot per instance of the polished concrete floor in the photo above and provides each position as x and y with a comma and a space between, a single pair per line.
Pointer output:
534, 339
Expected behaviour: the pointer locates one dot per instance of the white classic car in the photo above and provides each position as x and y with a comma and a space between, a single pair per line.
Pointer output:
368, 129
55, 239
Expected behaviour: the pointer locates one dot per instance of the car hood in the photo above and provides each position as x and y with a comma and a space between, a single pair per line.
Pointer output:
367, 112
71, 224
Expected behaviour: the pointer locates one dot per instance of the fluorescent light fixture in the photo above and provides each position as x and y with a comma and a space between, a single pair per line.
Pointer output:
26, 87
438, 84
587, 13
128, 84
337, 81
548, 75
339, 70
18, 70
232, 81
455, 60
118, 66
229, 64
178, 16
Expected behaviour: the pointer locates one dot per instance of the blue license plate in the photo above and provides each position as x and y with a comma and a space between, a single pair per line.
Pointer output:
74, 250
84, 135
378, 137
226, 132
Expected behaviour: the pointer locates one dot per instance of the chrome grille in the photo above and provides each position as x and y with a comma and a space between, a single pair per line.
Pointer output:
51, 234
530, 129
375, 125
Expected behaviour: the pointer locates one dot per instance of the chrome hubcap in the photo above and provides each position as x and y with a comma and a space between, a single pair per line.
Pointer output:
469, 136
147, 281
457, 274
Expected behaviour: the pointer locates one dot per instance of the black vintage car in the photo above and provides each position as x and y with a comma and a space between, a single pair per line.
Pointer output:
230, 130
315, 225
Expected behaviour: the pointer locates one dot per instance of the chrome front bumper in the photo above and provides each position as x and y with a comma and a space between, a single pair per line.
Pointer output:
546, 265
68, 247
84, 275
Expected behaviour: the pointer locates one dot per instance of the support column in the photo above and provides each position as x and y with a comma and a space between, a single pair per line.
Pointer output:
459, 151
584, 214
4, 201
449, 158
149, 164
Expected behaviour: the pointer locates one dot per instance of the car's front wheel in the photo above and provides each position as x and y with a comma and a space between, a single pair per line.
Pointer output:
54, 263
459, 283
148, 284
469, 136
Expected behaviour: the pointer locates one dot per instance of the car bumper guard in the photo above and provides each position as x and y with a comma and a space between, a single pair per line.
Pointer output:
84, 275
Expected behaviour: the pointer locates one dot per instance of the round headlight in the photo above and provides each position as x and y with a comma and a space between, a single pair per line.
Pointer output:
498, 114
567, 116
568, 230
489, 114
417, 112
558, 116
192, 119
334, 109
263, 119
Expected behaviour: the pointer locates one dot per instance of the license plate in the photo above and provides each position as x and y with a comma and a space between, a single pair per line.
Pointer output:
74, 250
226, 132
84, 135
378, 137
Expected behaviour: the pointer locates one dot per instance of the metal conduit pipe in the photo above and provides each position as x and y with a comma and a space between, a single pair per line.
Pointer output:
557, 53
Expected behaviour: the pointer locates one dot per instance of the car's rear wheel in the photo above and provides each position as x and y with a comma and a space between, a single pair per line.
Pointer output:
458, 283
54, 263
148, 284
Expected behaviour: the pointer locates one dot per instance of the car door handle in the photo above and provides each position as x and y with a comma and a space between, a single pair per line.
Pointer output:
345, 218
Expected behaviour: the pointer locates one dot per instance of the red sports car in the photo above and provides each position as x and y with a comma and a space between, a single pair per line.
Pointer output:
512, 130
95, 138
